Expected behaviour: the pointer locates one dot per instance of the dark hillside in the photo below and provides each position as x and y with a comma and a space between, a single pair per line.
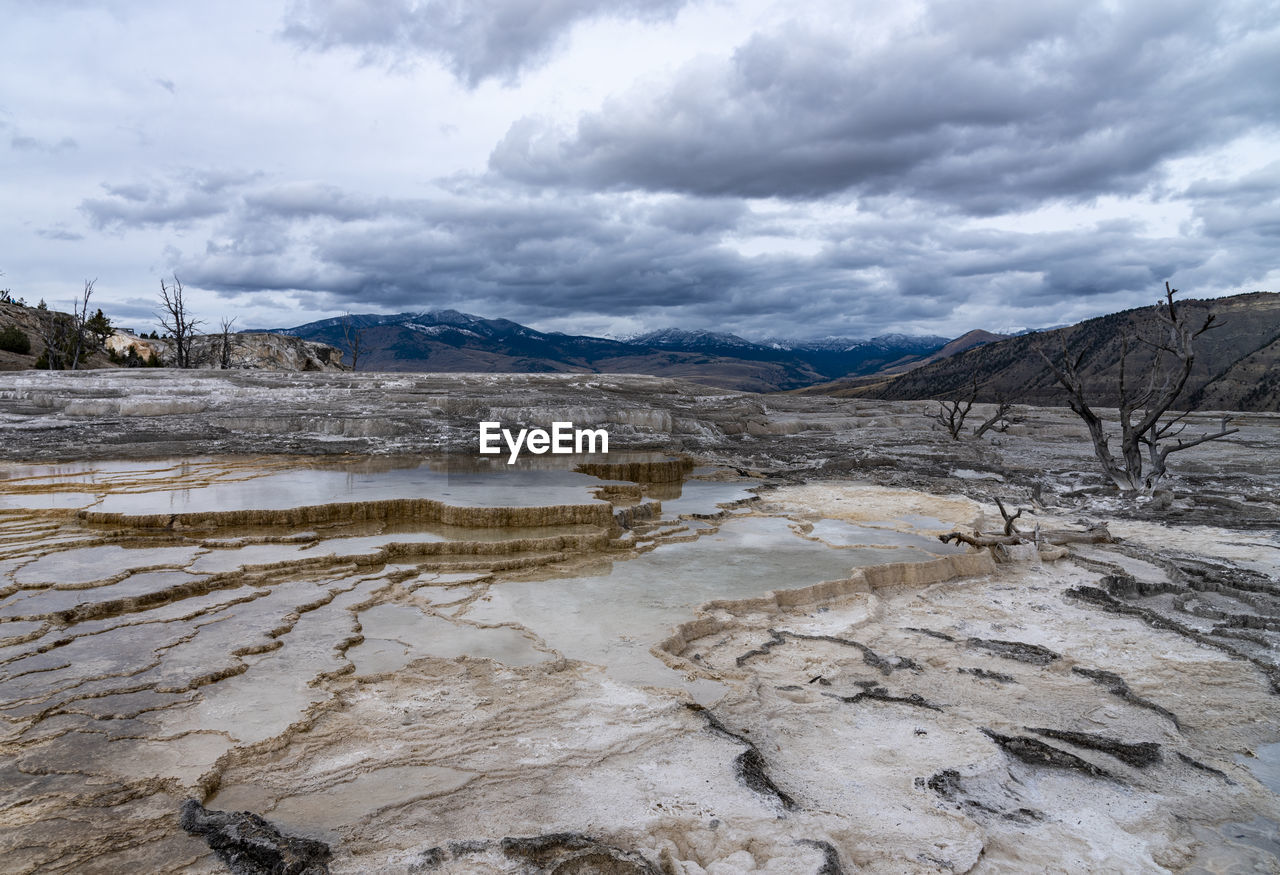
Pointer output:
1237, 363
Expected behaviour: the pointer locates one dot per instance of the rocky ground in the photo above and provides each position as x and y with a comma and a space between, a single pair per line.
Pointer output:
406, 685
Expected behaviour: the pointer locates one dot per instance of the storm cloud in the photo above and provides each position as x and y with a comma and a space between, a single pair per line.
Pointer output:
603, 259
476, 41
986, 110
771, 169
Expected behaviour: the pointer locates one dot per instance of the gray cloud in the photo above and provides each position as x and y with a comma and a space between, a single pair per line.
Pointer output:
587, 259
985, 109
59, 234
527, 256
497, 39
1246, 208
984, 165
34, 144
190, 196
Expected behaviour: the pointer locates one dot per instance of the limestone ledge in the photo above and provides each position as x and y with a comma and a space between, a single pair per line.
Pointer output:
716, 616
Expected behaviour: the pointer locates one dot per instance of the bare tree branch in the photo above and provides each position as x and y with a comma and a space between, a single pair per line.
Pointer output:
1009, 527
352, 338
1000, 420
52, 329
951, 415
79, 319
177, 321
224, 346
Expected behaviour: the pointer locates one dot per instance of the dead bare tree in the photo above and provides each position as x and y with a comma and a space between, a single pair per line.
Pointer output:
64, 335
79, 321
53, 329
951, 415
224, 344
352, 338
177, 321
1145, 399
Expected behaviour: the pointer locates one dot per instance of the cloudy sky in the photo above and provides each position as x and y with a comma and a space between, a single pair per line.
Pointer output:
611, 166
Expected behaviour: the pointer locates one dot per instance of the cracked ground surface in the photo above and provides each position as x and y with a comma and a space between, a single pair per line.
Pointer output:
764, 663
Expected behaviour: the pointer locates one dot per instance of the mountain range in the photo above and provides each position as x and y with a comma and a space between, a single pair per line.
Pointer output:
450, 341
1237, 363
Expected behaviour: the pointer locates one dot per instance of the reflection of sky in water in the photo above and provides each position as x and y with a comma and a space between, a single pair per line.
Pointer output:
705, 496
614, 619
103, 471
47, 501
394, 635
509, 488
204, 485
1266, 767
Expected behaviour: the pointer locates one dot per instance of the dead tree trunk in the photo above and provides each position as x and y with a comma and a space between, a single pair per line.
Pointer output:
53, 330
352, 338
177, 321
79, 321
224, 346
1145, 399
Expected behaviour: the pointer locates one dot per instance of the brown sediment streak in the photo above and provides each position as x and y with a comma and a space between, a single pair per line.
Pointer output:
627, 517
612, 491
419, 509
519, 553
862, 580
397, 550
650, 471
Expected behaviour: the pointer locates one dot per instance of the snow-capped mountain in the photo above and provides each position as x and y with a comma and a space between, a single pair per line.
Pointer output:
679, 338
449, 340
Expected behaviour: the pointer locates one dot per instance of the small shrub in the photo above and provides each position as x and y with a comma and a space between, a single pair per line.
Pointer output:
14, 339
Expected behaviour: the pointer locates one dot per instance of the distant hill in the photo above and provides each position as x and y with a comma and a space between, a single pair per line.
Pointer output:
857, 384
18, 318
450, 341
965, 342
249, 351
1237, 363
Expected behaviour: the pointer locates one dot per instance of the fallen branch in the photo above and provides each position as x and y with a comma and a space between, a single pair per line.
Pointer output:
1094, 535
1098, 534
980, 540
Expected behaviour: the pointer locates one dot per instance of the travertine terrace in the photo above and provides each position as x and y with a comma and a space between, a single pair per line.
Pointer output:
735, 644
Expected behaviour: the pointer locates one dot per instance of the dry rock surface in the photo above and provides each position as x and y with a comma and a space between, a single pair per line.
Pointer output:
292, 623
256, 351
